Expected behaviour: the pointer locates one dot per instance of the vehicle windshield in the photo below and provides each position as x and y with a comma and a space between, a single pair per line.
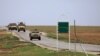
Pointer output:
21, 24
35, 32
12, 24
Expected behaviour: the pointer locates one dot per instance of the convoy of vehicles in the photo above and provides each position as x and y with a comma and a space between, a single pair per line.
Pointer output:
22, 27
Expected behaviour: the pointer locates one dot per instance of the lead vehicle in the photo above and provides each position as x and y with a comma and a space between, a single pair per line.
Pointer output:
35, 35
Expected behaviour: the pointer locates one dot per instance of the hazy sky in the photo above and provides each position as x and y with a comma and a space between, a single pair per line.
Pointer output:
48, 12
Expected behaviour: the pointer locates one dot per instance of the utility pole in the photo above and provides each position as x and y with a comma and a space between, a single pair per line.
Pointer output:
75, 36
77, 40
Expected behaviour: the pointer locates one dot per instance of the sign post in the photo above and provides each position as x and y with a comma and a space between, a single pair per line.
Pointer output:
63, 27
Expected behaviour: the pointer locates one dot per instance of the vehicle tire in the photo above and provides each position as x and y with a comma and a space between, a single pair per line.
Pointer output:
30, 38
39, 38
24, 30
18, 30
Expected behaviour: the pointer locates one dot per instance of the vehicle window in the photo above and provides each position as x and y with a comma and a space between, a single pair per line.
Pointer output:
35, 32
12, 24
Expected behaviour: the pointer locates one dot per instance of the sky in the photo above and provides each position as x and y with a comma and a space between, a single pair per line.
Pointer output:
49, 12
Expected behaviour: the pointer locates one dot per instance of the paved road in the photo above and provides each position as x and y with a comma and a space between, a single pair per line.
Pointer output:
52, 43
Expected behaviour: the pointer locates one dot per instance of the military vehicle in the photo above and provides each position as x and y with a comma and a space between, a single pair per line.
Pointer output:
12, 26
21, 27
35, 35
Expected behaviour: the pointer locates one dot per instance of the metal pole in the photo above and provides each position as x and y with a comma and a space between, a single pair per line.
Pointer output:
57, 36
78, 40
69, 41
75, 36
69, 37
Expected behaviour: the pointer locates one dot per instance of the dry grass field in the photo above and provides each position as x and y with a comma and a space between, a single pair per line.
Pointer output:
48, 29
3, 32
85, 34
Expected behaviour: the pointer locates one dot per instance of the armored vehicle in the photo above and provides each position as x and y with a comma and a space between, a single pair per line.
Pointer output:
35, 35
21, 27
12, 26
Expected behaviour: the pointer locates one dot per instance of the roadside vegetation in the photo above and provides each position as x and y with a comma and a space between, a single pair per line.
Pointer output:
11, 46
86, 34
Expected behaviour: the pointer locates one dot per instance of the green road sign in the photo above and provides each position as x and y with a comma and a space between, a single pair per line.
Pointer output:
63, 27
